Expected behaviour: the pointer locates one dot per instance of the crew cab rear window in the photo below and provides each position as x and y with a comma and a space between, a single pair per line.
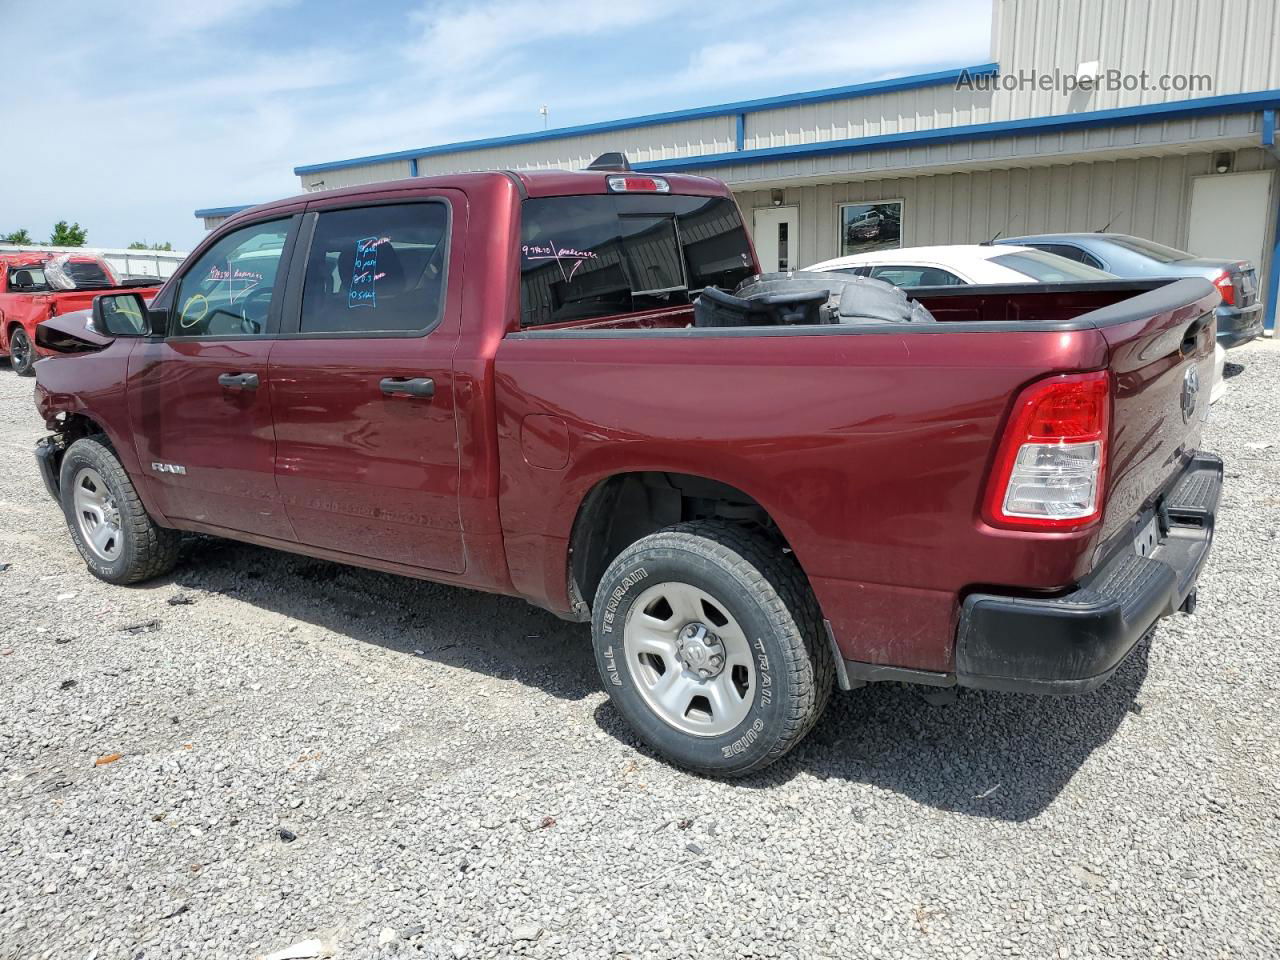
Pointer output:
597, 256
915, 276
28, 279
377, 269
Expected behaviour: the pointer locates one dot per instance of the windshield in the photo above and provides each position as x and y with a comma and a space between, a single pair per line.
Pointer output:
1049, 267
1149, 248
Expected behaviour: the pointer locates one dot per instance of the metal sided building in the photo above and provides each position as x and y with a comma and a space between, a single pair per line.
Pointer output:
1182, 150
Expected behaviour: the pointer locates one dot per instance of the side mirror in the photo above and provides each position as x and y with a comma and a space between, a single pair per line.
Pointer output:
121, 315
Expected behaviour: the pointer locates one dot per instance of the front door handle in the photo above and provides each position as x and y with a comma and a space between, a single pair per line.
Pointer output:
239, 381
419, 387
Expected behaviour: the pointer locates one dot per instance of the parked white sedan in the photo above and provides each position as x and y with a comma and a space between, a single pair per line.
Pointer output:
964, 263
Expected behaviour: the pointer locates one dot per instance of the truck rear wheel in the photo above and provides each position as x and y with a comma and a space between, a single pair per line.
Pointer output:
112, 530
22, 355
709, 643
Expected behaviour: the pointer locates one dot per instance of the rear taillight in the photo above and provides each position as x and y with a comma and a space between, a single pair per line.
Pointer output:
631, 184
1049, 470
1226, 287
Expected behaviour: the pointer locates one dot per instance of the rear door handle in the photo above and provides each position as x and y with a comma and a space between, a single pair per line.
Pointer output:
419, 387
239, 381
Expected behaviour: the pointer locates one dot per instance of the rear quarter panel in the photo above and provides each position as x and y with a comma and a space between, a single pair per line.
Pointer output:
870, 451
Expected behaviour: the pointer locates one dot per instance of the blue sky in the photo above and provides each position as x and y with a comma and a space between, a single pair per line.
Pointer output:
140, 112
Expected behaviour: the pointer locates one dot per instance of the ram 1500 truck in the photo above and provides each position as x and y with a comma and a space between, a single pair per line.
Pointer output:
28, 296
498, 380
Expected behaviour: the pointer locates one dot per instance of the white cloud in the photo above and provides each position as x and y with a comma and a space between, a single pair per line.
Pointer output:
867, 41
482, 34
163, 107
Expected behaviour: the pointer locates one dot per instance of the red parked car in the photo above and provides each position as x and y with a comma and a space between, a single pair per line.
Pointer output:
503, 381
28, 296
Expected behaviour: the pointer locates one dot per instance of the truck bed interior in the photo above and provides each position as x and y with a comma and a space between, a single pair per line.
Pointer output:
1039, 305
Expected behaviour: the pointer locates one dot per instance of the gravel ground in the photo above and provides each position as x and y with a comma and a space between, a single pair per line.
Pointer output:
310, 752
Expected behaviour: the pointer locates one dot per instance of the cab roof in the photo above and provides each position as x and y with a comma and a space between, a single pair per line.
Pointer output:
530, 183
31, 258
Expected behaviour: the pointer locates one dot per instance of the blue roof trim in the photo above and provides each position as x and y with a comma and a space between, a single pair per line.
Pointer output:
222, 211
716, 110
976, 131
1269, 128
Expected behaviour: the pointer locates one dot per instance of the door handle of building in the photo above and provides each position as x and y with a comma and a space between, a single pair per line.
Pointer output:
239, 381
418, 387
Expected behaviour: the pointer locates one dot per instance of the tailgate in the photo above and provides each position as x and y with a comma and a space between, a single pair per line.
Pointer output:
1161, 359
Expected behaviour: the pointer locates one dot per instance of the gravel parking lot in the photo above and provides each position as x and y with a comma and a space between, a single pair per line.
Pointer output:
264, 750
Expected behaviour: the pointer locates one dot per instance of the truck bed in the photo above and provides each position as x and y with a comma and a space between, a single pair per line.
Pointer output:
1044, 303
884, 432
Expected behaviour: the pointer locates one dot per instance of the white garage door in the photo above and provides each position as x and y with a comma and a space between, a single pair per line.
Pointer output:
1229, 215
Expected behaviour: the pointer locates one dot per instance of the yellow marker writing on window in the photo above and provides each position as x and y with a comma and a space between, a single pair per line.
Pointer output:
185, 320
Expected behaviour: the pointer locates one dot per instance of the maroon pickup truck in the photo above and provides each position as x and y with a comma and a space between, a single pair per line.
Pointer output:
507, 381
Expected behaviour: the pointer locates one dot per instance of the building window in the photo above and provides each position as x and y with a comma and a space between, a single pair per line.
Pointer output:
876, 225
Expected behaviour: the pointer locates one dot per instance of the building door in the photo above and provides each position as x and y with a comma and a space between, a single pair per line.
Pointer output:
776, 234
1229, 216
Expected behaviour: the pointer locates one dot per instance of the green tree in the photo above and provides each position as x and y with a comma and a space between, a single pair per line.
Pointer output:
67, 236
143, 245
19, 236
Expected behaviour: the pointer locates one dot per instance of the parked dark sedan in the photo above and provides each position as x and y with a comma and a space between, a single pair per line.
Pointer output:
1239, 315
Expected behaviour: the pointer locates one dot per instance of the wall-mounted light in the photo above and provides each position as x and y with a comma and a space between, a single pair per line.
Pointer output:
776, 197
1222, 162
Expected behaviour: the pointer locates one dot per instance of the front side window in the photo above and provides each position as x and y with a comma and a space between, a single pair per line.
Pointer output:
594, 256
870, 226
378, 269
229, 290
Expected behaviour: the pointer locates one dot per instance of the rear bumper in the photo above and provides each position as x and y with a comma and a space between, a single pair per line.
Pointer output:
1074, 643
1237, 326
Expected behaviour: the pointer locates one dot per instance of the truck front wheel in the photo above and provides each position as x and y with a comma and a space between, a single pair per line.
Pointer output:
112, 530
708, 640
22, 355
